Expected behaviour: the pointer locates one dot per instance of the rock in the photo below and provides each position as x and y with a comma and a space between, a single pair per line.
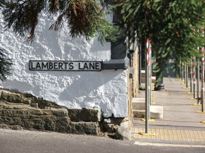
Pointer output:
84, 128
42, 104
125, 129
16, 127
4, 126
87, 115
35, 105
50, 124
11, 97
26, 98
59, 112
109, 127
62, 124
13, 127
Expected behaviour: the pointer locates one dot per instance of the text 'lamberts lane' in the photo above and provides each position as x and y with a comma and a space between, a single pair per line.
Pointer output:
40, 65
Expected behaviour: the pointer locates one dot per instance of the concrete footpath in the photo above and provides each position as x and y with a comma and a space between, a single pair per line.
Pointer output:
182, 118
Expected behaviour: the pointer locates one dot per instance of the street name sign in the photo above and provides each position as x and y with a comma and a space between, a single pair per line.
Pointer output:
50, 65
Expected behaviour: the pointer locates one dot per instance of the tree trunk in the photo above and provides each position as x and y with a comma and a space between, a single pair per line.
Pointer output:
160, 67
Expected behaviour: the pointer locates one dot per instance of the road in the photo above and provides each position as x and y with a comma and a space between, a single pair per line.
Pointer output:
48, 142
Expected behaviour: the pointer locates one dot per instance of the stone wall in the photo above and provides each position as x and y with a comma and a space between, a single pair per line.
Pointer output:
25, 111
133, 80
136, 72
29, 112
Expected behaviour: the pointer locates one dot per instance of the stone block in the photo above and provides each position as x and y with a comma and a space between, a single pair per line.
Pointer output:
138, 113
156, 112
91, 128
42, 104
86, 115
138, 103
11, 97
62, 124
59, 112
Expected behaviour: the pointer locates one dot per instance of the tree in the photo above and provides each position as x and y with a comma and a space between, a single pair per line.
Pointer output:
83, 17
5, 65
169, 24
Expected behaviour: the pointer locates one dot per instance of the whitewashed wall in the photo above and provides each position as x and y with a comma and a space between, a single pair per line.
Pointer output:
106, 89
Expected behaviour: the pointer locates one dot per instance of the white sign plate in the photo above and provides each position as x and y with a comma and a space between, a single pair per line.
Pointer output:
49, 65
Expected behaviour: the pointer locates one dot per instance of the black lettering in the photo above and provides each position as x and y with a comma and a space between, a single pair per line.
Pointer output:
79, 67
31, 65
50, 65
71, 66
60, 66
85, 66
55, 65
44, 65
98, 66
66, 65
38, 66
92, 66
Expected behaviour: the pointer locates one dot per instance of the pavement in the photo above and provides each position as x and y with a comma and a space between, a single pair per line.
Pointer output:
182, 117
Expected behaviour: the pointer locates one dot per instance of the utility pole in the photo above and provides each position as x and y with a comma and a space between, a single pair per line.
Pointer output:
148, 84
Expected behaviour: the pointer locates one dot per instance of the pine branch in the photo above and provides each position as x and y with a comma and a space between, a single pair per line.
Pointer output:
84, 17
22, 15
5, 65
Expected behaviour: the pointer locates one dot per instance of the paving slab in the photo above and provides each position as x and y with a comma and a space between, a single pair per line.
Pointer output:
181, 122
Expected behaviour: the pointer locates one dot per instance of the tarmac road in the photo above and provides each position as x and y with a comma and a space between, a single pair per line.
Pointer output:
47, 142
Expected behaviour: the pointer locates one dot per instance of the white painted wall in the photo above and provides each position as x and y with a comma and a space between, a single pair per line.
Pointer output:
106, 89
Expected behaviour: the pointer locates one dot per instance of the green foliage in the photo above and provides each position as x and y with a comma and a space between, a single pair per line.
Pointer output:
22, 15
5, 65
83, 17
172, 25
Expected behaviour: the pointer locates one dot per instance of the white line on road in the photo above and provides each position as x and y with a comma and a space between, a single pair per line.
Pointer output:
168, 145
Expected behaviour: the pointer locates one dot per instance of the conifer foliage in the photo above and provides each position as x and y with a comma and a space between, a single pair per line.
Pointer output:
5, 65
83, 17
